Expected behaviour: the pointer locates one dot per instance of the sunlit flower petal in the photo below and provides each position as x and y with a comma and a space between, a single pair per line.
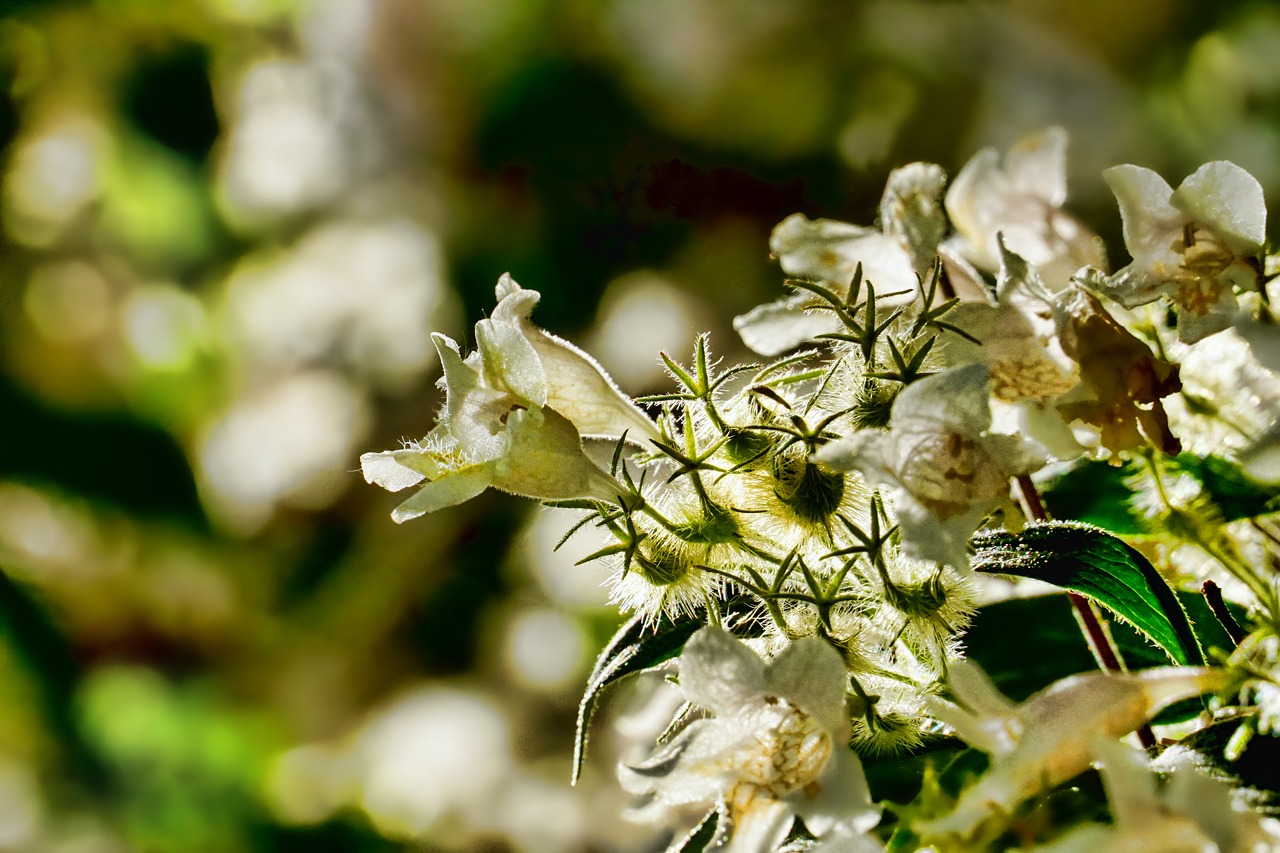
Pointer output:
775, 749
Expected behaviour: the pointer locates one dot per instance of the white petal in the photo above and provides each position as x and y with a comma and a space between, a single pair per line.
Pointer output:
776, 327
847, 841
843, 798
577, 386
1263, 340
449, 490
810, 673
970, 197
927, 537
762, 829
911, 211
544, 459
1037, 166
866, 451
1261, 459
976, 690
510, 362
1130, 784
958, 398
720, 673
695, 766
505, 287
1228, 201
382, 469
991, 735
828, 251
818, 249
1150, 220
460, 379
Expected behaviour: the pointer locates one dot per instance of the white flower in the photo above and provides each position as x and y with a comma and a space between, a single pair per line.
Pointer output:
515, 411
1195, 244
1048, 738
577, 386
1023, 201
1192, 812
944, 469
1018, 342
828, 252
775, 749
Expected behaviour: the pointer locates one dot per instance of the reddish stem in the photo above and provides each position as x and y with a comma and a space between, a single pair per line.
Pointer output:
1095, 632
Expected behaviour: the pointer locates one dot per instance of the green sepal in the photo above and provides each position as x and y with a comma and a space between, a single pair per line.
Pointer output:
710, 834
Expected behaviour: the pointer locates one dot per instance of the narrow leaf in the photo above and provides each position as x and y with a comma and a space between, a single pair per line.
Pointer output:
635, 648
1090, 561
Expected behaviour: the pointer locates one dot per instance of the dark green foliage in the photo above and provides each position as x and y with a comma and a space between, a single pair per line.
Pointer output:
1089, 561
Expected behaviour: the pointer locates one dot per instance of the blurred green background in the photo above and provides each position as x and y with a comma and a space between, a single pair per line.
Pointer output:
228, 228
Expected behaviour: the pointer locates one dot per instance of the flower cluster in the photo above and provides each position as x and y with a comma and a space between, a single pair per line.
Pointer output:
822, 501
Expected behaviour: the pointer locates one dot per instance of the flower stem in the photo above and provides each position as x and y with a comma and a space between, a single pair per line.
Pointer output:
1099, 639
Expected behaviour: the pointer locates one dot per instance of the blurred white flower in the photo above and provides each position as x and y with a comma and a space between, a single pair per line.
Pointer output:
515, 413
1023, 201
1048, 738
1196, 244
944, 469
1190, 813
365, 291
775, 749
640, 315
292, 441
544, 649
296, 139
54, 173
433, 754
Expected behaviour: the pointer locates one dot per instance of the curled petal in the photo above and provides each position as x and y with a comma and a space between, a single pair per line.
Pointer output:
577, 386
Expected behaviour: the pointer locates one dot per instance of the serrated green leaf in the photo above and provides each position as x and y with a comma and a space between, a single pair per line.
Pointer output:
635, 648
1090, 561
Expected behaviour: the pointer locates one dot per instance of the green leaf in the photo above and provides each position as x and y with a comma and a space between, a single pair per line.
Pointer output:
1225, 483
1254, 769
1090, 561
1048, 644
635, 648
1095, 493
